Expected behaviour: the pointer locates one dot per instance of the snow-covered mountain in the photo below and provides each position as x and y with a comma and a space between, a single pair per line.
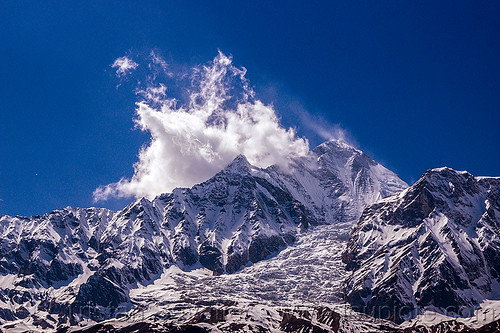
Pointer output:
76, 262
254, 249
336, 181
434, 246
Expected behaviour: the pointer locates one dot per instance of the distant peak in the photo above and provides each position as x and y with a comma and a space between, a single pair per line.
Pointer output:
239, 164
335, 144
337, 148
336, 141
446, 175
444, 171
240, 160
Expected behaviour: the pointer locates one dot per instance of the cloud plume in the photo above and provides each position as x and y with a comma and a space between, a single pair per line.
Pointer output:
124, 65
196, 134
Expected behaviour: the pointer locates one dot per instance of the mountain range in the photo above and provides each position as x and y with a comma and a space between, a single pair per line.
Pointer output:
334, 242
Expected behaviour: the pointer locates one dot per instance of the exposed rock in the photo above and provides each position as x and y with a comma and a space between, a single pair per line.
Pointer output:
432, 245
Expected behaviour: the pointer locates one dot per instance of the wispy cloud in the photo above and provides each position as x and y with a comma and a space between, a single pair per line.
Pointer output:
124, 65
323, 128
158, 64
196, 135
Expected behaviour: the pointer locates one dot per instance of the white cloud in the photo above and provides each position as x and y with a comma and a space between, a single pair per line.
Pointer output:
124, 65
154, 94
193, 140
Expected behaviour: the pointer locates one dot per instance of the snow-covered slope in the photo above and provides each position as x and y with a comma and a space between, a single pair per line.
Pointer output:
75, 262
230, 220
336, 181
434, 246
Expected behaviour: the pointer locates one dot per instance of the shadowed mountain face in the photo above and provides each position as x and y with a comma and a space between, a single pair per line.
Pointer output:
59, 263
433, 246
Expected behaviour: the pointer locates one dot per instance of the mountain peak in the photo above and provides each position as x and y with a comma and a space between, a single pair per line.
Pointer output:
447, 175
336, 147
335, 143
444, 206
446, 171
239, 164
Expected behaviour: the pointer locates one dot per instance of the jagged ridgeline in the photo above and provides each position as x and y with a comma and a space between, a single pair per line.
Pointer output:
434, 246
55, 265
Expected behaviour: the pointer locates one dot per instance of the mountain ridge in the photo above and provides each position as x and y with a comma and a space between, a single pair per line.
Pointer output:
432, 246
240, 216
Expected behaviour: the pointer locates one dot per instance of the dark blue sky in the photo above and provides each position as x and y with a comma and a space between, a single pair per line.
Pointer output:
417, 84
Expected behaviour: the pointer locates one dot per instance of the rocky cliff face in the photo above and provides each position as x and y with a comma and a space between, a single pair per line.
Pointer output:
433, 246
230, 220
